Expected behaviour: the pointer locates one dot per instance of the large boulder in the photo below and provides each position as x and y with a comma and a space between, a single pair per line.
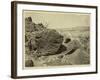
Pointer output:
46, 42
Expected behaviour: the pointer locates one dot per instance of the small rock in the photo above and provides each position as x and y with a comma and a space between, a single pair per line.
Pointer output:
29, 63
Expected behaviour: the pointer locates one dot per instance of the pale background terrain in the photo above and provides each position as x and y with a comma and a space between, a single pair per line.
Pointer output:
5, 43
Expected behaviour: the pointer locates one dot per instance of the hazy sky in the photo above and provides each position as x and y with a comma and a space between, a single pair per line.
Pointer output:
59, 19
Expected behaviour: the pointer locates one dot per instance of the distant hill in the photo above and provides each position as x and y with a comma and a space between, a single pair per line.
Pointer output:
84, 28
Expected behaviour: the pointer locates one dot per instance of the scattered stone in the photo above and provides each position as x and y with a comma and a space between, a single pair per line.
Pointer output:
29, 63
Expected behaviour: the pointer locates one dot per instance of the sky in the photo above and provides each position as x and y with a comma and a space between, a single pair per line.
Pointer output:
59, 19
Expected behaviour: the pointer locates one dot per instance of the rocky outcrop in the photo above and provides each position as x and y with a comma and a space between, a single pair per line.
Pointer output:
40, 39
30, 26
48, 42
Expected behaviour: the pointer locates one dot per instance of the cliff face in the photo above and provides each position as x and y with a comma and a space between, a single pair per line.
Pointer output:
47, 47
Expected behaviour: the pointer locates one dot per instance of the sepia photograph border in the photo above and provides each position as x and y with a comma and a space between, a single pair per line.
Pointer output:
14, 36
